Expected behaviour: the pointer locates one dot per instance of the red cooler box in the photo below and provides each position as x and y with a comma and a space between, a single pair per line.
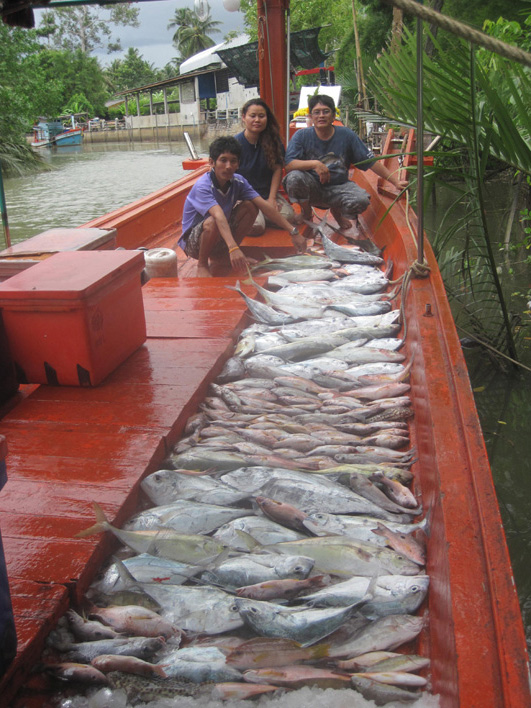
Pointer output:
73, 318
27, 253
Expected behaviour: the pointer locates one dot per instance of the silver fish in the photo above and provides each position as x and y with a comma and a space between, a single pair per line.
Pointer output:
127, 664
305, 260
368, 286
355, 309
196, 609
252, 568
184, 516
89, 630
321, 523
287, 304
348, 255
199, 664
392, 595
305, 347
391, 343
308, 498
78, 673
140, 647
163, 542
266, 341
263, 530
345, 557
233, 369
252, 480
200, 459
303, 275
169, 485
380, 635
353, 354
260, 311
145, 568
381, 693
306, 626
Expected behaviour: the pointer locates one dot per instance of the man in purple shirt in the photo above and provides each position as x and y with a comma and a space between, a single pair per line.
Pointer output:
221, 209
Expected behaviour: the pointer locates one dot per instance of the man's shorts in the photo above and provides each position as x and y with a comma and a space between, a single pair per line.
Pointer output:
193, 239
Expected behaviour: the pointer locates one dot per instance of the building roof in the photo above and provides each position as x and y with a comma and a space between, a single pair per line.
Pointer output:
209, 56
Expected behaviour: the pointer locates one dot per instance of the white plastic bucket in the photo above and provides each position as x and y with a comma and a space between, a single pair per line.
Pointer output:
161, 263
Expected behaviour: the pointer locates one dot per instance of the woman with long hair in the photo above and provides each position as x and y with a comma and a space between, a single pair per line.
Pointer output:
262, 158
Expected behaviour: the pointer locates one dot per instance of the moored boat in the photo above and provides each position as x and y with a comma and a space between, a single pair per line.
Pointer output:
474, 635
52, 133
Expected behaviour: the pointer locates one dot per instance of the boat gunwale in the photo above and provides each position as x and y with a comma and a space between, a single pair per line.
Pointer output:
505, 661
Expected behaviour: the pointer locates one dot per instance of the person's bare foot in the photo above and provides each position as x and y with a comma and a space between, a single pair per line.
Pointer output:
203, 271
343, 223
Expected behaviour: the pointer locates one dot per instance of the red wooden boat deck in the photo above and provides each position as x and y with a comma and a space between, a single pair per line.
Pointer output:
68, 447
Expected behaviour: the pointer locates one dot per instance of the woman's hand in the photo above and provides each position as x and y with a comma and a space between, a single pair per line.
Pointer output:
273, 202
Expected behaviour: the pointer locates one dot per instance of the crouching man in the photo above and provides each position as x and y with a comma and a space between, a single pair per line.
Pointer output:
318, 160
221, 209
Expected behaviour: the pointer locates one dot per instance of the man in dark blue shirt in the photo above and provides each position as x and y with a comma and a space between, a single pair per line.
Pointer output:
318, 160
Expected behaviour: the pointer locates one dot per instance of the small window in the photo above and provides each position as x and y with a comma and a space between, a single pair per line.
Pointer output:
222, 81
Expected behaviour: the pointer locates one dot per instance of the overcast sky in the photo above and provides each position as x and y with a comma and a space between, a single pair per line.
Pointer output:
153, 39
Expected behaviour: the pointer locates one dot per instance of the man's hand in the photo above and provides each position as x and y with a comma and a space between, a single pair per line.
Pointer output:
322, 171
299, 242
238, 261
399, 184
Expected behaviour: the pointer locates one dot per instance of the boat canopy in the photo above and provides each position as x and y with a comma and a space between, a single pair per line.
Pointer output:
242, 60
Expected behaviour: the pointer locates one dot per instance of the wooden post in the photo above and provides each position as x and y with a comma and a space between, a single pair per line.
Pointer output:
272, 57
359, 67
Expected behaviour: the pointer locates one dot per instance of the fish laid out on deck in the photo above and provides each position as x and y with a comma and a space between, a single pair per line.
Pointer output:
283, 543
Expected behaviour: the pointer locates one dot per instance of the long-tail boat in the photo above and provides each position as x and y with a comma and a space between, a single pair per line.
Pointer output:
69, 446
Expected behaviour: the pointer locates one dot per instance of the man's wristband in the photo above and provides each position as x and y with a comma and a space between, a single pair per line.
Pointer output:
234, 248
294, 231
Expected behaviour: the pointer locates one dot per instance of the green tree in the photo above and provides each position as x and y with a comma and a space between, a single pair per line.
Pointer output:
24, 88
171, 69
25, 93
86, 28
184, 17
192, 35
76, 73
130, 71
78, 104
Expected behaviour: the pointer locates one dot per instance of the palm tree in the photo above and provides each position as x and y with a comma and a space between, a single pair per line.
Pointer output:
192, 35
183, 18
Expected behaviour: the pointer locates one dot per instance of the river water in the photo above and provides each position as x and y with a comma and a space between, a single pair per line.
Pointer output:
87, 181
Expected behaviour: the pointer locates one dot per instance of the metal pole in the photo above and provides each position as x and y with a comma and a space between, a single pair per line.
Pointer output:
3, 209
288, 65
420, 146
